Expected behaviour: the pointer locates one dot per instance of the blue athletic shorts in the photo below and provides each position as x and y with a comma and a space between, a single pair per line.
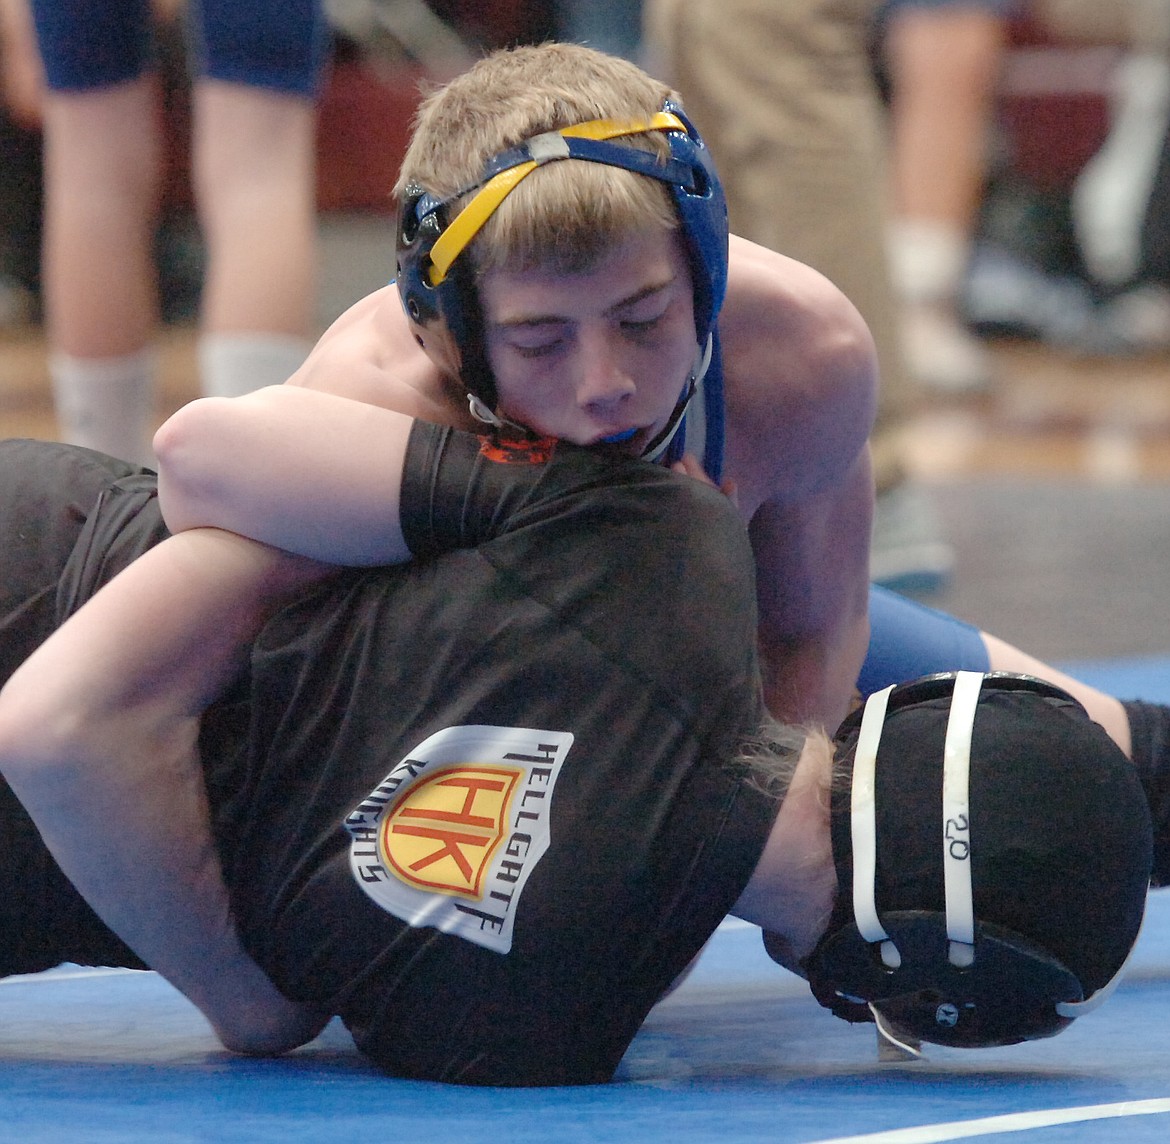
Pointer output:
908, 639
281, 45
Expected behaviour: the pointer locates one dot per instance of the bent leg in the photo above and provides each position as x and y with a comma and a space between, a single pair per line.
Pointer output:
908, 639
1104, 709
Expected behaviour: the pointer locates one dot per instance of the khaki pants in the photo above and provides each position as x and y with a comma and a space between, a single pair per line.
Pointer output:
783, 94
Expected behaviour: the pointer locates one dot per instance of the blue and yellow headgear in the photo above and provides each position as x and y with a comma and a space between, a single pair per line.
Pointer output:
437, 286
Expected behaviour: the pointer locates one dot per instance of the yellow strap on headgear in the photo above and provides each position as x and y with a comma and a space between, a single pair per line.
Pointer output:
467, 223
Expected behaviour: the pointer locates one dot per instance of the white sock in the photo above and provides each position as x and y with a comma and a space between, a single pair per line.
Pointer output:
106, 403
927, 259
231, 365
1112, 192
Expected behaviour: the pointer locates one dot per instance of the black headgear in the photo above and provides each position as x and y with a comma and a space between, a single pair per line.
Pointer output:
437, 287
993, 851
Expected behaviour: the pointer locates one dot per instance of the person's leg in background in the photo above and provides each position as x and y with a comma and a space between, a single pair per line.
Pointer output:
103, 154
942, 59
21, 95
260, 66
255, 105
255, 190
785, 96
1119, 198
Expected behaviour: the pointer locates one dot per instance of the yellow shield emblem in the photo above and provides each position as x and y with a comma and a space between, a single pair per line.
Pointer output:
442, 833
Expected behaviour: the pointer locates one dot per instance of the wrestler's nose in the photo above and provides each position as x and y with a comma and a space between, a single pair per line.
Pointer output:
604, 383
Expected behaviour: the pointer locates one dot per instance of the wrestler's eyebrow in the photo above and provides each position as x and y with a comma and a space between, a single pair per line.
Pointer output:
645, 292
535, 320
530, 320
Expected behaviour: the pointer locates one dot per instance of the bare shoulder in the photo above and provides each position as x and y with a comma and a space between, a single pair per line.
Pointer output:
369, 354
800, 375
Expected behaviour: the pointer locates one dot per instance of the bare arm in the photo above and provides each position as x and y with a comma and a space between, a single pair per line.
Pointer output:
801, 377
98, 739
813, 591
298, 469
98, 729
312, 460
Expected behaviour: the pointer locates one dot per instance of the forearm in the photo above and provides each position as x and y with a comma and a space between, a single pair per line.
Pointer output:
810, 682
305, 471
813, 589
168, 902
358, 476
98, 734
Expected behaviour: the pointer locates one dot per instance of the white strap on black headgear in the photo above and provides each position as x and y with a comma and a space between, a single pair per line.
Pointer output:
863, 827
956, 840
960, 904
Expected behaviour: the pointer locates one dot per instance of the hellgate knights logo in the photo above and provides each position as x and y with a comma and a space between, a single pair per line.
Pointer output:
450, 836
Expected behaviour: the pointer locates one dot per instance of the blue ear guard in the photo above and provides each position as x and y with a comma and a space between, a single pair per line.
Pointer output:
437, 286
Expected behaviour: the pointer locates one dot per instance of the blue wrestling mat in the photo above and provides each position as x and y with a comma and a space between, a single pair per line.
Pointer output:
739, 1053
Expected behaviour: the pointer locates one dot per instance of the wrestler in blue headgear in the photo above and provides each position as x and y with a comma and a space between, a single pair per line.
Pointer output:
436, 280
993, 850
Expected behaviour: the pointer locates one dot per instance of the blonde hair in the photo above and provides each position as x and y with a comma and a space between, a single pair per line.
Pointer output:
770, 754
566, 213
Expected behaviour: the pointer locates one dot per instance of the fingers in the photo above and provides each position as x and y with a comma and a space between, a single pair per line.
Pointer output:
690, 466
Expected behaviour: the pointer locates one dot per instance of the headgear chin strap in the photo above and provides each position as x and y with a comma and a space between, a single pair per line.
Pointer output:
941, 965
437, 285
663, 440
